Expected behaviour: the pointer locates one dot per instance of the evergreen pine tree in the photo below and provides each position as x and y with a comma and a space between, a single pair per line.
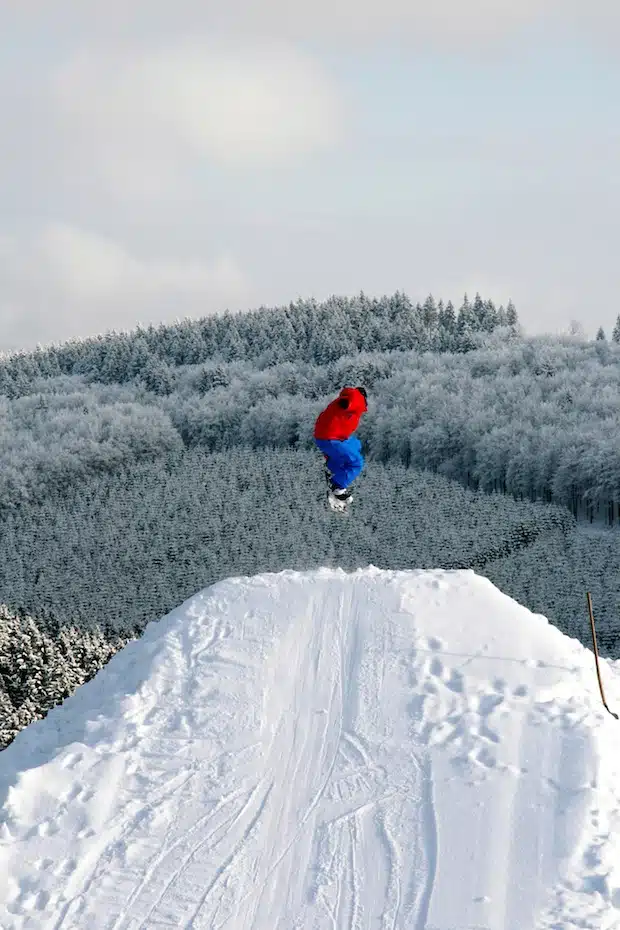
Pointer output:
511, 317
465, 326
615, 336
430, 313
601, 334
447, 318
501, 316
466, 319
478, 313
157, 376
491, 316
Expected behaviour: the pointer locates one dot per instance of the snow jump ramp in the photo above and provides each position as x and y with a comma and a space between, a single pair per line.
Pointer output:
379, 750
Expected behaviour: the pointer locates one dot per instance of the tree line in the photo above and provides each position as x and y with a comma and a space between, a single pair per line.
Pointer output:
305, 331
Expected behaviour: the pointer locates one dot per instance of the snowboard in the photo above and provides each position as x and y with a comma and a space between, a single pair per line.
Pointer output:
336, 505
333, 502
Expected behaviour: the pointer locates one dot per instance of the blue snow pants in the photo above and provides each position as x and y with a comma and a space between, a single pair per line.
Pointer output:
343, 458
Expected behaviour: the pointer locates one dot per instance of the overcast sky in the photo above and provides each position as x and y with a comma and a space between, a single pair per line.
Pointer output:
168, 159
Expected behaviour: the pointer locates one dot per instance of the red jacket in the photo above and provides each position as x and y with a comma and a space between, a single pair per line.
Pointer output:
342, 416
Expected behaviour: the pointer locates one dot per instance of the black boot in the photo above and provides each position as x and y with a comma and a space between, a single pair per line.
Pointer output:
341, 494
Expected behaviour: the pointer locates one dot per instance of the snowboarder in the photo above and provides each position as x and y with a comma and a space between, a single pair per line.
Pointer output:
342, 451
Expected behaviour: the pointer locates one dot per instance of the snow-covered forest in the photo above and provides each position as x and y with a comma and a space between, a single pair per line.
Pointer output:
461, 393
137, 468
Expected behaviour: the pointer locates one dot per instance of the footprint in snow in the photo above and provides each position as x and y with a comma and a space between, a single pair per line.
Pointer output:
488, 702
78, 792
454, 680
42, 865
485, 758
28, 899
65, 868
436, 668
72, 759
45, 828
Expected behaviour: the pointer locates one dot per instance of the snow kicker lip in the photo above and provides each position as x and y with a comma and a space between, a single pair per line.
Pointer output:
308, 749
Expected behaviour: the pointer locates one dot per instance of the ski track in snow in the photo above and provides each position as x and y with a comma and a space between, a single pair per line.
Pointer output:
324, 752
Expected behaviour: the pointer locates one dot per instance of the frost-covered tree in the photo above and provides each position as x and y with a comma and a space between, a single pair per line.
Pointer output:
213, 376
466, 327
512, 318
157, 376
447, 318
430, 313
479, 314
576, 329
42, 662
232, 346
303, 331
71, 429
465, 318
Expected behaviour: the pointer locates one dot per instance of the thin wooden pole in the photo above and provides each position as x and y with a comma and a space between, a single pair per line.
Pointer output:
598, 669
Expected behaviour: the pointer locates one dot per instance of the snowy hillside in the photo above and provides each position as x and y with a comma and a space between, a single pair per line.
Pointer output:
323, 751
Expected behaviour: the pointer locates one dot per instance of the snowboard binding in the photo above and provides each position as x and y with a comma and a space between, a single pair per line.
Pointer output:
337, 503
337, 498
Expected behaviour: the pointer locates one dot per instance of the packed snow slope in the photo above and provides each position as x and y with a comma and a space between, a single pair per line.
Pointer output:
323, 751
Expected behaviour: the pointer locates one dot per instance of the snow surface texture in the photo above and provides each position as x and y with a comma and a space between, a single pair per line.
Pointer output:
323, 751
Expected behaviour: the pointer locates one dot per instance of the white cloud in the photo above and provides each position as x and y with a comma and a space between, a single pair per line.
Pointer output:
86, 266
146, 119
64, 282
174, 129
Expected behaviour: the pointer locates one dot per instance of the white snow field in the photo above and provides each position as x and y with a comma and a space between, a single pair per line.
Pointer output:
375, 750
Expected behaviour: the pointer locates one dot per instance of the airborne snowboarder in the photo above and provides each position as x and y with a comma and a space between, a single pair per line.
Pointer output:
342, 451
